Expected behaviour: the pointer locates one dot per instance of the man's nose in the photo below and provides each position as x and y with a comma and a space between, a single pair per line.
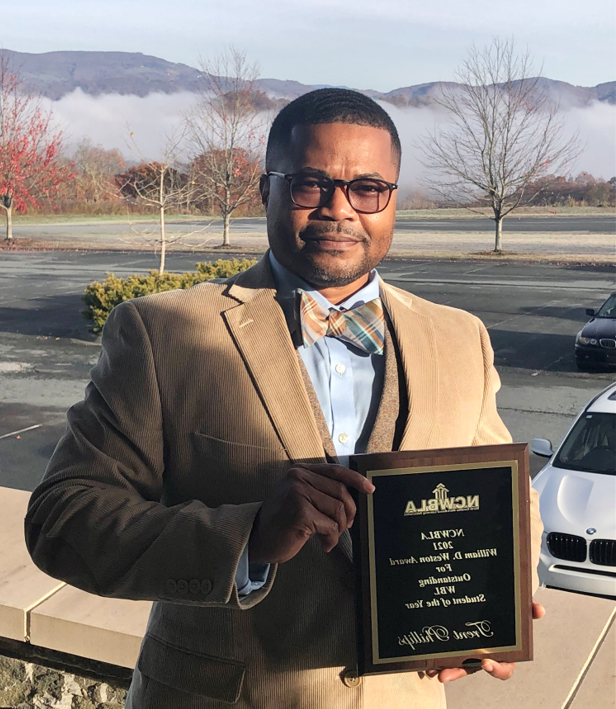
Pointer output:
338, 208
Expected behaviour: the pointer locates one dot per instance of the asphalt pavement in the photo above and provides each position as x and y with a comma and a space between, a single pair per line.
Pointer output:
532, 313
513, 223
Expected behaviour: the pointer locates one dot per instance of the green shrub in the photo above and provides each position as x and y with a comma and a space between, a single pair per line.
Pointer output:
222, 268
101, 298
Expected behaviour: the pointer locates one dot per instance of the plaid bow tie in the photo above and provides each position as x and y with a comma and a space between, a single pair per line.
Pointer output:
363, 326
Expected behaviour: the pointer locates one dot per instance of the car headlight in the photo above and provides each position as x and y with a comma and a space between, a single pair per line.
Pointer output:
585, 340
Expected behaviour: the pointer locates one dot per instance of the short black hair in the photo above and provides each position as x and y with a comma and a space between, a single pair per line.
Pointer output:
328, 106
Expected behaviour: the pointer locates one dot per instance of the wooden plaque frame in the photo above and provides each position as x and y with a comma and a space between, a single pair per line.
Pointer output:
483, 462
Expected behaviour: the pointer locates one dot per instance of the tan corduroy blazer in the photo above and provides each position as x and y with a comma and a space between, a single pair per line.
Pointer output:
195, 410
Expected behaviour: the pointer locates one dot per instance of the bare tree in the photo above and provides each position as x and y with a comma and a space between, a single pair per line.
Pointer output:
95, 169
504, 133
227, 135
162, 185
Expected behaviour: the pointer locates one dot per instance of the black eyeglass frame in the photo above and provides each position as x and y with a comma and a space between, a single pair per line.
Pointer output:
335, 183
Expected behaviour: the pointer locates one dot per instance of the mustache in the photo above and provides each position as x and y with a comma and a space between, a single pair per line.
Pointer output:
321, 230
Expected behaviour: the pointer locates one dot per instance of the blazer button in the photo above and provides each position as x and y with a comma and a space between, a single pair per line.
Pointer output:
182, 586
171, 585
194, 586
351, 679
206, 586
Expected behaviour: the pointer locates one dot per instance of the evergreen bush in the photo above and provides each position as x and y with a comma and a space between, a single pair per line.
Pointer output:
101, 298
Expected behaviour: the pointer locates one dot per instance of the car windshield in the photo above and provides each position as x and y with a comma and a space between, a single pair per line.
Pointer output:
591, 445
608, 309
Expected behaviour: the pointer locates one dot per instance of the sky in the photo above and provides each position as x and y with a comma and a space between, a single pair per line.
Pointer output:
367, 44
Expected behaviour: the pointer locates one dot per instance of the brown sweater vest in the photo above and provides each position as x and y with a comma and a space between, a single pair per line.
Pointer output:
390, 418
392, 412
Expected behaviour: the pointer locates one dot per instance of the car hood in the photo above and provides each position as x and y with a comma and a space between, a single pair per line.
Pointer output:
600, 327
573, 501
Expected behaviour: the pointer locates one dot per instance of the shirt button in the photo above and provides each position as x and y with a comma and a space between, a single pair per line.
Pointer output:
171, 585
182, 586
341, 369
350, 679
194, 586
343, 437
206, 586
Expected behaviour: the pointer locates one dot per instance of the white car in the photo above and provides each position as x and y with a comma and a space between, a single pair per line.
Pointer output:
577, 493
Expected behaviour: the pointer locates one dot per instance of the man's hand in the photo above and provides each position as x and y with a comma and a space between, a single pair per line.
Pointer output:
312, 499
500, 670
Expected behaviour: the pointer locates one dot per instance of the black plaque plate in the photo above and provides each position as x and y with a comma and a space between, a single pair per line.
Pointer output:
442, 555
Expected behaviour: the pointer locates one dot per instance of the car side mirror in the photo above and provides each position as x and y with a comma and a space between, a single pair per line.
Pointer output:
590, 311
542, 447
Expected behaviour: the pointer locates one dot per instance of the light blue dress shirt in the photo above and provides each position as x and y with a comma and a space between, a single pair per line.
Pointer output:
347, 382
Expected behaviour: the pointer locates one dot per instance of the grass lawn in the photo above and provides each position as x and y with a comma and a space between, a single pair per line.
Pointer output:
85, 219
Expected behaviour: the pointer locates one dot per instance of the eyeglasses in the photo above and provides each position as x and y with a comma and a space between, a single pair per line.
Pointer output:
365, 195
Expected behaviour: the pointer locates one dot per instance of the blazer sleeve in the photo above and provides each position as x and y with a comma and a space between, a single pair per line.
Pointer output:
96, 520
491, 429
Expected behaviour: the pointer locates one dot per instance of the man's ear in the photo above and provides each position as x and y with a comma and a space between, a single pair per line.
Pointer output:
264, 189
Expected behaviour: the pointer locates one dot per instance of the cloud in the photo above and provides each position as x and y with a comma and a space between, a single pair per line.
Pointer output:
597, 128
106, 119
412, 123
595, 125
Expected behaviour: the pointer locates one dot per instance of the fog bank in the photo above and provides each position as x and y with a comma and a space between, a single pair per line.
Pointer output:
107, 119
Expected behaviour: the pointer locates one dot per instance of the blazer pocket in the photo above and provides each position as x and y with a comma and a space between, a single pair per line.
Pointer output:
239, 456
190, 672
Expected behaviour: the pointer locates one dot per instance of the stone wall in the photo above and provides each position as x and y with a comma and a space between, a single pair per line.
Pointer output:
50, 680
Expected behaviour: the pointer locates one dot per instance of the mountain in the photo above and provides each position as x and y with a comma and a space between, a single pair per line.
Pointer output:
55, 74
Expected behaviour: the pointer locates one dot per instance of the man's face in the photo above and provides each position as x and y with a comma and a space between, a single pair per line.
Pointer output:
332, 245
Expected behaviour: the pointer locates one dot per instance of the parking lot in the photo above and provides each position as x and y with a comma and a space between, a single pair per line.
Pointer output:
532, 312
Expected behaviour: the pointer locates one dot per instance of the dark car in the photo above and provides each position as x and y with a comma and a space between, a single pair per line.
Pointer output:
595, 343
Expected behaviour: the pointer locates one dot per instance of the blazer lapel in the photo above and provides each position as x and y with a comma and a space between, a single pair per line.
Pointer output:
260, 331
416, 340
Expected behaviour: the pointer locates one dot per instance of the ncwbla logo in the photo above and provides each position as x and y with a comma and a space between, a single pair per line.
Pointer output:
441, 502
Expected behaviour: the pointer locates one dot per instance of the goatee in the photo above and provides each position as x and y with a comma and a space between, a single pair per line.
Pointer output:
336, 275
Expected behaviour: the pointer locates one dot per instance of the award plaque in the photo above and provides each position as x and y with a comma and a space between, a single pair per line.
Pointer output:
442, 558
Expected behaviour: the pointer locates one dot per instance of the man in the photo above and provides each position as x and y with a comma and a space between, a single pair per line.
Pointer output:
200, 471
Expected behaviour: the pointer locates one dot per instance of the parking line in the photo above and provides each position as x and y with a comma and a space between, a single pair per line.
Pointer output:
589, 660
21, 430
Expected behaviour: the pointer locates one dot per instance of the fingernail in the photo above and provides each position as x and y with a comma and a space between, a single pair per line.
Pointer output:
488, 667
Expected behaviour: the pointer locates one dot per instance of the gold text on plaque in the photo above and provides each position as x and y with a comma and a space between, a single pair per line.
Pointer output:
441, 502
